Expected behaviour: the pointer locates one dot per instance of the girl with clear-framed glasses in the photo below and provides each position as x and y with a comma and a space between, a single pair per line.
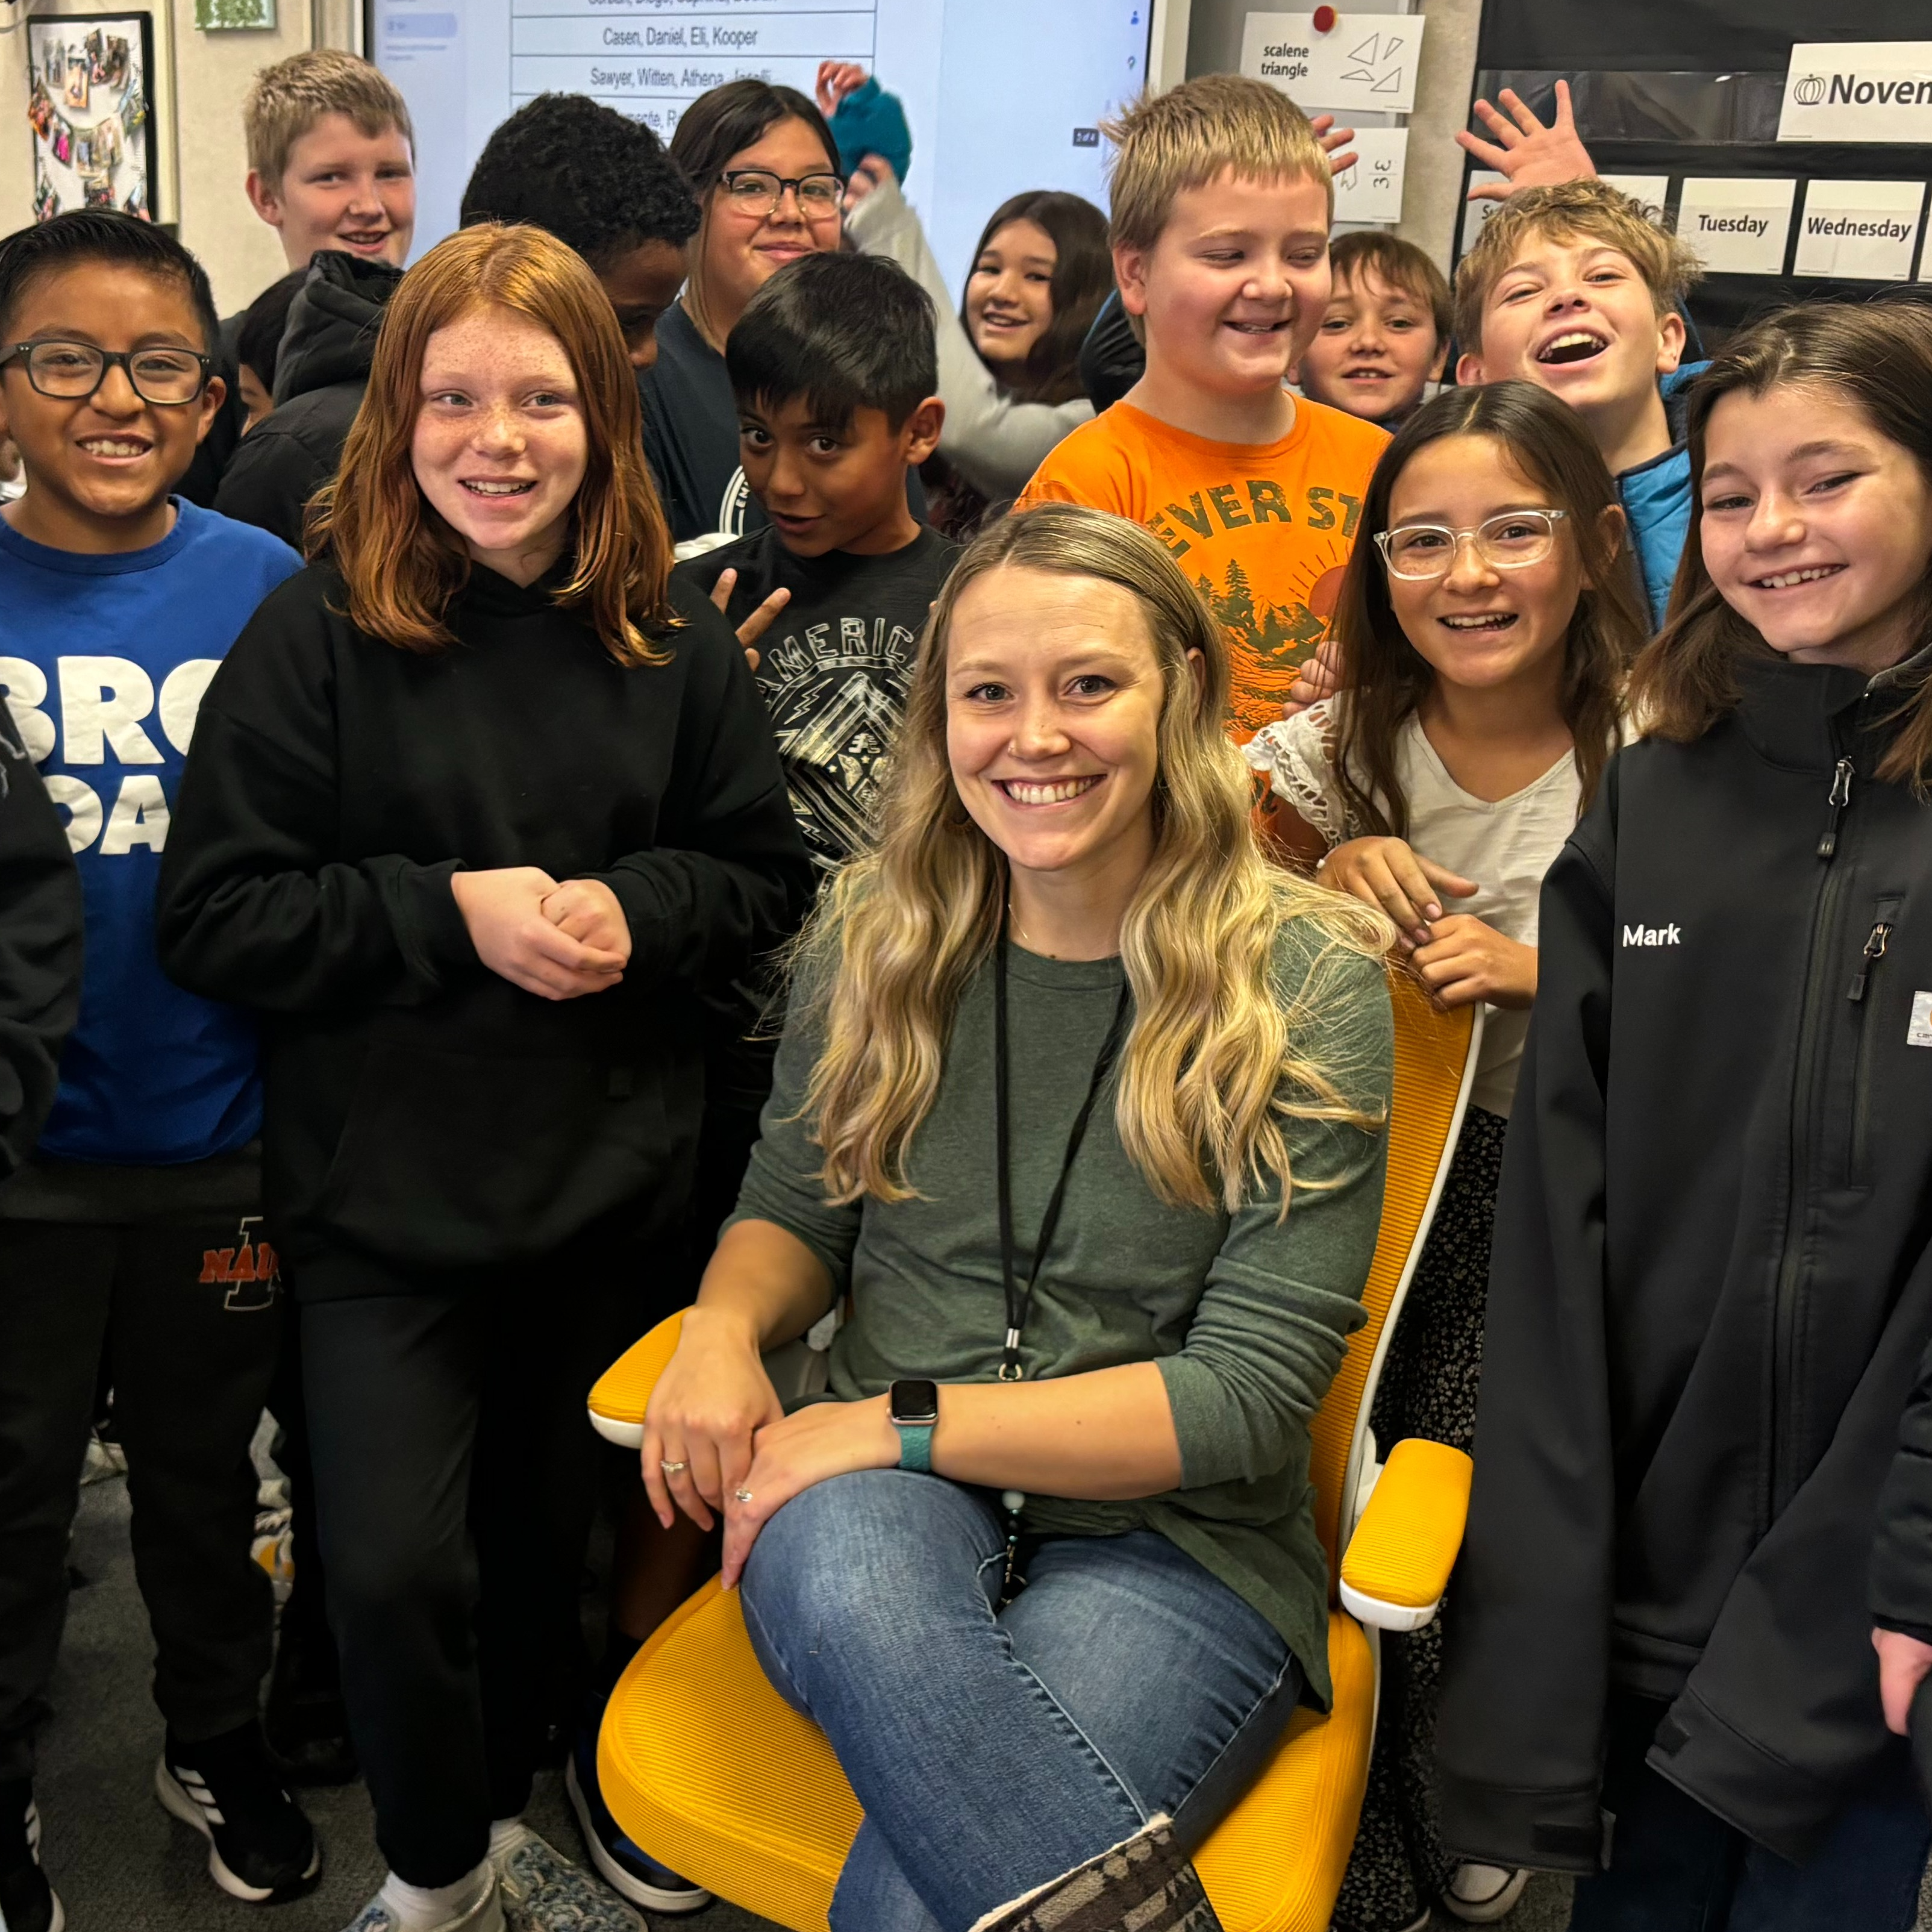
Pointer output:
1490, 613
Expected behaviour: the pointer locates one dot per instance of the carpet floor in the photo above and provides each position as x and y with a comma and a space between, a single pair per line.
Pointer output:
121, 1864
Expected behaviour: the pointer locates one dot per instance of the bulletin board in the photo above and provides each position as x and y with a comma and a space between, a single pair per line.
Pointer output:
1681, 102
90, 105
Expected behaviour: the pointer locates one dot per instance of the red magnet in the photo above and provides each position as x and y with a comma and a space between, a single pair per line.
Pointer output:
1324, 20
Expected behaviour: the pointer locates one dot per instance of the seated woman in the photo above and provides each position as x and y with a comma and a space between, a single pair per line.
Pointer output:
1080, 1101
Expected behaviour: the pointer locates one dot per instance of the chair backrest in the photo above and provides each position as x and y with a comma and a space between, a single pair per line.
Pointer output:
1434, 1062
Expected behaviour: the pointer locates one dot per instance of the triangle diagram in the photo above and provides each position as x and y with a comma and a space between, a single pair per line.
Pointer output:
1391, 47
1391, 84
1366, 51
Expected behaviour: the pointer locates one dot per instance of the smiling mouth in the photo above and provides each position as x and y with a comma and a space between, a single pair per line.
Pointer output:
496, 488
1257, 328
1368, 375
117, 447
363, 237
1789, 579
1575, 345
1490, 622
1046, 791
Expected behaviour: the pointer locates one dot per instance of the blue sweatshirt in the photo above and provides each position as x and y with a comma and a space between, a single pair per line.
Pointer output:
1657, 497
103, 662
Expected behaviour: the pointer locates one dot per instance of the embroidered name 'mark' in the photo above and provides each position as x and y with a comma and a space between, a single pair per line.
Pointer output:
1653, 935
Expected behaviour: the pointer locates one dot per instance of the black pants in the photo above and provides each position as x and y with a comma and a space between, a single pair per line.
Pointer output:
189, 1355
1677, 1867
455, 1479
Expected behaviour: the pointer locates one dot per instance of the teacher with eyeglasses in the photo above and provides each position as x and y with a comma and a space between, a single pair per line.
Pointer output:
765, 169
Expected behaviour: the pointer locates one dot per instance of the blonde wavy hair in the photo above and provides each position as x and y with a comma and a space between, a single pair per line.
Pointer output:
1209, 1072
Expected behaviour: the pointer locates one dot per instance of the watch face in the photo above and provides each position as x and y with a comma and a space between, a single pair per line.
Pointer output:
914, 1402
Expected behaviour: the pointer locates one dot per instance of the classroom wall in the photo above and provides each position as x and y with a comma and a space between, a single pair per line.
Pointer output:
1433, 194
211, 73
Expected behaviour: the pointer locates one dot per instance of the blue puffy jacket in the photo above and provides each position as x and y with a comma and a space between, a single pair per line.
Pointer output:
1656, 496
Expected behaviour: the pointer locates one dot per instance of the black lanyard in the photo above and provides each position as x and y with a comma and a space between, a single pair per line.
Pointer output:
1019, 1301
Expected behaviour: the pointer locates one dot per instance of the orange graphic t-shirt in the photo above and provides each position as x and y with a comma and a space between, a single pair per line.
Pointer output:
1264, 529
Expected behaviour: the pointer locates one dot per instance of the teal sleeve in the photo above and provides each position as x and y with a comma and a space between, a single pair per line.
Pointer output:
869, 121
1282, 1296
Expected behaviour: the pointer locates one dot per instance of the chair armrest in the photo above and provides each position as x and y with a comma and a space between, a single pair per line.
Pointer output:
1398, 1561
618, 1401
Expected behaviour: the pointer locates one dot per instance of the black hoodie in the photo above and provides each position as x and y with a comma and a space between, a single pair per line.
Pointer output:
418, 1106
1711, 1284
320, 373
40, 948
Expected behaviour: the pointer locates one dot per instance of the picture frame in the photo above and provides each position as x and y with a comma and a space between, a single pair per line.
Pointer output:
91, 104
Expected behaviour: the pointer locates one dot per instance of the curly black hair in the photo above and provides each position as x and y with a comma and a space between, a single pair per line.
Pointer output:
594, 178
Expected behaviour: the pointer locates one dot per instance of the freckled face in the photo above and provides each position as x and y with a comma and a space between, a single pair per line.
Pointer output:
501, 445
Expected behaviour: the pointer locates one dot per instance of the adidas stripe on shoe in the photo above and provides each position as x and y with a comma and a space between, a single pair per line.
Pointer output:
261, 1847
27, 1902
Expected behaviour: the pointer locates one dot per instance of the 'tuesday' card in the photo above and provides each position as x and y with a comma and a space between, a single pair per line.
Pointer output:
1738, 225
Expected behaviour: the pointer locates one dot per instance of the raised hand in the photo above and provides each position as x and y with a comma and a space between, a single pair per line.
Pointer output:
836, 79
1525, 152
1332, 137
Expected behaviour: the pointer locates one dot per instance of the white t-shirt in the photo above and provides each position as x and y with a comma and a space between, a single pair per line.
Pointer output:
1505, 846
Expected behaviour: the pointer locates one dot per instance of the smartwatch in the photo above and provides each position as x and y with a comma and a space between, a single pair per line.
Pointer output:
913, 1408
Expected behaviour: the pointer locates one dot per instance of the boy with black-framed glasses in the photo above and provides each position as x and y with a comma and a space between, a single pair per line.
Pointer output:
134, 1228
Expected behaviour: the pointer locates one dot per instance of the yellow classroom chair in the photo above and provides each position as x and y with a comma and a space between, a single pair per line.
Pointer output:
707, 1767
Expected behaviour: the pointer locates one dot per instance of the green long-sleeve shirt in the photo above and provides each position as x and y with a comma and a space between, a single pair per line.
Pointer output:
1246, 1314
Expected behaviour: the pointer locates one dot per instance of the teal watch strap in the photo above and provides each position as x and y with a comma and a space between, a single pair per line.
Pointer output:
913, 1408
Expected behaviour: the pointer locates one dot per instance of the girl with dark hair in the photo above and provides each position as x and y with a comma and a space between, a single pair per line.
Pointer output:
765, 169
1039, 274
1009, 354
1712, 1291
1486, 626
478, 801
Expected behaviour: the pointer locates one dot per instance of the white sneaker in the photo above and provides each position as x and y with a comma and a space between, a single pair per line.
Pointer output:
485, 1915
1480, 1895
543, 1892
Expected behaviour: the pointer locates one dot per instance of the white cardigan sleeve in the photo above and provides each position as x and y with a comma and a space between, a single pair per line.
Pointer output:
995, 442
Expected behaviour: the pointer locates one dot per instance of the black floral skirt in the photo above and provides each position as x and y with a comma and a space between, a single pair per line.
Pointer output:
1428, 1384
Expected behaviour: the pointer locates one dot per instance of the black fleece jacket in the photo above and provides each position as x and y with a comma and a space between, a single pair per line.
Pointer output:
320, 374
1710, 1288
418, 1107
40, 948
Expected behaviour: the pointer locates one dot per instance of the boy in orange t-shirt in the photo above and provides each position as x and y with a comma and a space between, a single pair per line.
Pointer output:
1222, 201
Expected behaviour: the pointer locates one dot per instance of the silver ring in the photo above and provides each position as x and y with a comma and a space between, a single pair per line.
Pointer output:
673, 1468
743, 1495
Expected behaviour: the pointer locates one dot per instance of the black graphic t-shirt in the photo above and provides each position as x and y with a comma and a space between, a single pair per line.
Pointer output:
834, 667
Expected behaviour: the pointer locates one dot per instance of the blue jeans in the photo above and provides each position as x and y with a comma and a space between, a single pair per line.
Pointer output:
994, 1750
1676, 1867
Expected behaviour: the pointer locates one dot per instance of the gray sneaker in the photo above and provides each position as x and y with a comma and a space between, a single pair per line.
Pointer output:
543, 1891
485, 1915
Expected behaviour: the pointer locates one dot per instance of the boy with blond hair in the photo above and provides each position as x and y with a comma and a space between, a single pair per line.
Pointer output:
1573, 287
1222, 201
332, 158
